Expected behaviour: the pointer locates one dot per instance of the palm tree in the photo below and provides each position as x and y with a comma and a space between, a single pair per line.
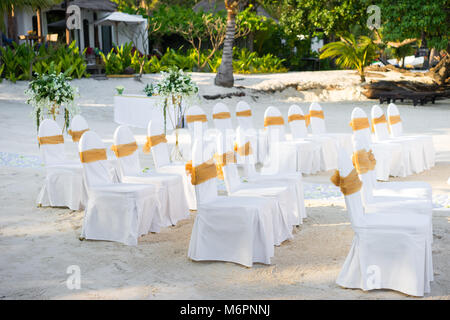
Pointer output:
350, 53
224, 76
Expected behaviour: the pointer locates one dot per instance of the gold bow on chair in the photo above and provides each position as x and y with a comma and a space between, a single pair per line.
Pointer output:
201, 173
123, 150
296, 116
245, 113
364, 161
273, 121
381, 119
93, 155
154, 141
51, 139
76, 135
244, 150
222, 160
315, 114
359, 124
197, 117
221, 115
349, 184
394, 119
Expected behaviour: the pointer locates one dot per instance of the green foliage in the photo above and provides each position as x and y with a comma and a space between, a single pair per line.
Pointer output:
408, 19
249, 62
22, 61
401, 52
350, 53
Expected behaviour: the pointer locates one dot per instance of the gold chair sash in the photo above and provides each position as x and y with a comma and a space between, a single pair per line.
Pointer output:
93, 155
123, 150
244, 150
349, 184
201, 173
197, 117
273, 121
221, 115
76, 135
154, 141
316, 114
51, 139
245, 113
359, 124
381, 119
222, 160
394, 119
296, 116
364, 161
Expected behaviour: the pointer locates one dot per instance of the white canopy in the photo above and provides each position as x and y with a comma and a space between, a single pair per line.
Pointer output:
116, 17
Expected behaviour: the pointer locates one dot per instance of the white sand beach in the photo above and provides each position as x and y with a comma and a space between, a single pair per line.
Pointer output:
37, 245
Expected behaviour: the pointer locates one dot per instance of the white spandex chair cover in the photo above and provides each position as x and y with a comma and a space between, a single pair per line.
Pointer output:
416, 189
318, 128
327, 146
234, 229
389, 251
395, 203
223, 125
118, 212
388, 154
302, 156
426, 141
412, 152
63, 186
169, 187
283, 178
160, 154
258, 138
285, 194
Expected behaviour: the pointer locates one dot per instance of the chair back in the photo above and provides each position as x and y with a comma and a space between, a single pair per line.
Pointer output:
78, 126
230, 171
274, 124
51, 142
244, 115
124, 144
222, 118
160, 152
247, 160
359, 145
96, 167
317, 124
353, 201
361, 126
206, 191
197, 121
297, 123
379, 123
394, 120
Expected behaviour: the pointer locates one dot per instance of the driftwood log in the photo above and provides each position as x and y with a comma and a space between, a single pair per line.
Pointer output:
441, 72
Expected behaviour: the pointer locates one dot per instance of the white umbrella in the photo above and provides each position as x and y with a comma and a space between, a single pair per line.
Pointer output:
115, 18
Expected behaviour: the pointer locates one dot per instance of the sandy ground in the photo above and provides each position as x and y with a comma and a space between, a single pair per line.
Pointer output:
37, 245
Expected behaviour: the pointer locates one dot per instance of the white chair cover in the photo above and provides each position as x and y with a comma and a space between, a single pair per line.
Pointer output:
302, 156
389, 251
199, 129
169, 187
388, 154
327, 145
412, 152
223, 125
395, 203
63, 186
234, 229
258, 138
286, 194
116, 211
426, 141
318, 128
160, 154
280, 178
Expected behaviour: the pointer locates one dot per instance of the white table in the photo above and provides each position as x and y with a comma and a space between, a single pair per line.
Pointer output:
137, 110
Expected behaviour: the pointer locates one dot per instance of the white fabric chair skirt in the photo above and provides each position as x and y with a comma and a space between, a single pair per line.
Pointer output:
121, 213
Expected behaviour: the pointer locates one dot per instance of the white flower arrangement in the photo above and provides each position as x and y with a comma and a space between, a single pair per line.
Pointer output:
176, 90
48, 93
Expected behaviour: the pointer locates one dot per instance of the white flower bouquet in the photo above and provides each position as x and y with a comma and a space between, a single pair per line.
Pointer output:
48, 93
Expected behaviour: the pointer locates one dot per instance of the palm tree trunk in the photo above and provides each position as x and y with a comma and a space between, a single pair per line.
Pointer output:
224, 76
